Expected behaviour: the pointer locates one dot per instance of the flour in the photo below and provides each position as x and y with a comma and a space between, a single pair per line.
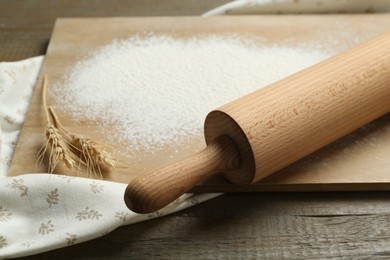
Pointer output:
158, 90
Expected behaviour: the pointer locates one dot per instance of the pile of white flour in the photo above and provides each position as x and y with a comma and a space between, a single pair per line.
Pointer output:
158, 90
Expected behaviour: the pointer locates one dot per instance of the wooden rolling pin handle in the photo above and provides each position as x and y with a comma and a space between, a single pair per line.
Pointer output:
156, 189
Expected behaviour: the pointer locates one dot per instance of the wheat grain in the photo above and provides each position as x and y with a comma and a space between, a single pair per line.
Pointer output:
92, 154
56, 145
69, 148
58, 149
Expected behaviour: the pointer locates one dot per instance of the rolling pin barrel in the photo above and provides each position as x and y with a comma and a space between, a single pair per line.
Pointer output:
280, 124
259, 134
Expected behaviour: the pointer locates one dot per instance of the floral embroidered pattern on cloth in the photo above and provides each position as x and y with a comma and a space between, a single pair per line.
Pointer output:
41, 212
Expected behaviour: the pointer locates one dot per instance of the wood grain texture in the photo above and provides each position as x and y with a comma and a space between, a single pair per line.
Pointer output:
156, 189
343, 165
348, 225
26, 25
280, 124
256, 226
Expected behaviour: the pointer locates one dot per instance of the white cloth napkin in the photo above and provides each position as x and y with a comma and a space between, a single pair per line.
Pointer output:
300, 7
41, 212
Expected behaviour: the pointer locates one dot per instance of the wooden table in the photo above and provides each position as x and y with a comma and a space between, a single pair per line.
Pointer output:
352, 225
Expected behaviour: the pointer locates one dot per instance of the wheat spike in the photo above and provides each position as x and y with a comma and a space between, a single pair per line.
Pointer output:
92, 154
59, 151
56, 144
70, 148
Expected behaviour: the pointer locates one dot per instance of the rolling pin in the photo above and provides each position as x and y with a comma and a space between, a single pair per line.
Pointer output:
263, 132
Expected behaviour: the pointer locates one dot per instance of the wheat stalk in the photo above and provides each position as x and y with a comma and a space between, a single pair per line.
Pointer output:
69, 148
59, 151
92, 154
55, 144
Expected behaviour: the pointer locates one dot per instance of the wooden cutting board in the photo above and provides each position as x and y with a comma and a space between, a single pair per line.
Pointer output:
360, 161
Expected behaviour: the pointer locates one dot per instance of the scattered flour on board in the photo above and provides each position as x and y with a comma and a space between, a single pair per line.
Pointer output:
158, 90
